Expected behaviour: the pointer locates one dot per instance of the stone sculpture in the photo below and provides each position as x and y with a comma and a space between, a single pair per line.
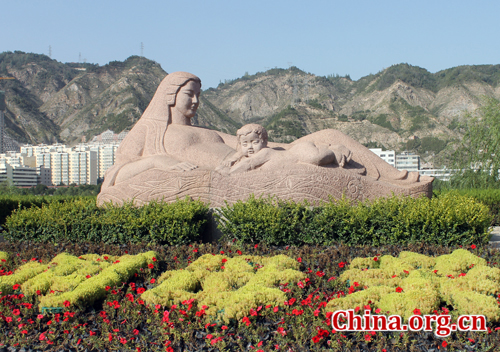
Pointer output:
165, 157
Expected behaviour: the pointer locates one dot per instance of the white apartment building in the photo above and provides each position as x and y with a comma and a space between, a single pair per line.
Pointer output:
408, 161
389, 156
59, 165
19, 175
106, 154
440, 174
82, 164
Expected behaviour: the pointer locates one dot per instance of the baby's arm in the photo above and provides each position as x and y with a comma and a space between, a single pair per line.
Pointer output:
253, 162
225, 165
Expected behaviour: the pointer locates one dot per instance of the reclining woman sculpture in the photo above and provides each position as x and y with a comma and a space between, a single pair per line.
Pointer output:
163, 156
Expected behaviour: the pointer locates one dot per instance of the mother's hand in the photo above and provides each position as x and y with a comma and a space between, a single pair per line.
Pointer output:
184, 166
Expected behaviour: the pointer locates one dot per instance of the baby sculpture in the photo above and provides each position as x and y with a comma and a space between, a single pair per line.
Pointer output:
164, 157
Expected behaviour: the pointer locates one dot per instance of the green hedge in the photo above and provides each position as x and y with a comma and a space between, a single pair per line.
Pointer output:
80, 220
449, 219
489, 197
9, 203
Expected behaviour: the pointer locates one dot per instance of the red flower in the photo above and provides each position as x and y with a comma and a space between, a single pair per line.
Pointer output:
67, 303
221, 252
15, 287
38, 292
107, 288
238, 251
417, 311
320, 273
152, 281
16, 312
102, 314
299, 259
151, 266
154, 259
300, 284
375, 259
444, 344
255, 246
368, 338
135, 332
224, 327
399, 289
195, 250
473, 246
140, 290
341, 264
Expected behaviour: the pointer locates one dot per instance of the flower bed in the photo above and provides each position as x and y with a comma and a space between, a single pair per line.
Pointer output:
293, 318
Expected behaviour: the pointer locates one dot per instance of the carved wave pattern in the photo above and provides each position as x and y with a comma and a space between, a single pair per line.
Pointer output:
294, 184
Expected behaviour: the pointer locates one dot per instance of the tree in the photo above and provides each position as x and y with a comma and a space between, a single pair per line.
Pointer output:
478, 155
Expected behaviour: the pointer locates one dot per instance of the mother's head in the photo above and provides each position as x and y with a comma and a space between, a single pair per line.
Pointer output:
166, 93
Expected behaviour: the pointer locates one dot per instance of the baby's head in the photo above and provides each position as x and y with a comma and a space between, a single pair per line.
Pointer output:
251, 139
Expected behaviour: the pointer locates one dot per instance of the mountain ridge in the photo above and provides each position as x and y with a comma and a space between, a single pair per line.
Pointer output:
400, 107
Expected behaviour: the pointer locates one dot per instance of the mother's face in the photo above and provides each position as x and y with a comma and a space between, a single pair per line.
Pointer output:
188, 99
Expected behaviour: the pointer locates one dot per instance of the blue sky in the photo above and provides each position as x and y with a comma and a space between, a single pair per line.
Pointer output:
219, 40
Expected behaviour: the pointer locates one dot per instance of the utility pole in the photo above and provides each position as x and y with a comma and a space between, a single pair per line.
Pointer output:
79, 58
50, 51
142, 49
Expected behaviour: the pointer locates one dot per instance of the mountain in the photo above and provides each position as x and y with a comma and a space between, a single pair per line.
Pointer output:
51, 101
402, 107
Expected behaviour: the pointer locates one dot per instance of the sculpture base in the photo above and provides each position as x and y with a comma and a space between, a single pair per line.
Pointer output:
298, 183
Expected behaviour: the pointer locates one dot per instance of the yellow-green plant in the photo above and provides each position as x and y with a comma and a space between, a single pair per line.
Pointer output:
229, 287
414, 281
94, 287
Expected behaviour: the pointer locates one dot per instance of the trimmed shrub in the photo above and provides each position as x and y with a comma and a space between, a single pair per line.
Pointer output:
87, 291
80, 220
267, 220
9, 203
447, 220
489, 197
459, 279
228, 287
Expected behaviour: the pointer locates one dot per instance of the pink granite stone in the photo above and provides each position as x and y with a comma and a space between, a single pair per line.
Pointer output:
165, 157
